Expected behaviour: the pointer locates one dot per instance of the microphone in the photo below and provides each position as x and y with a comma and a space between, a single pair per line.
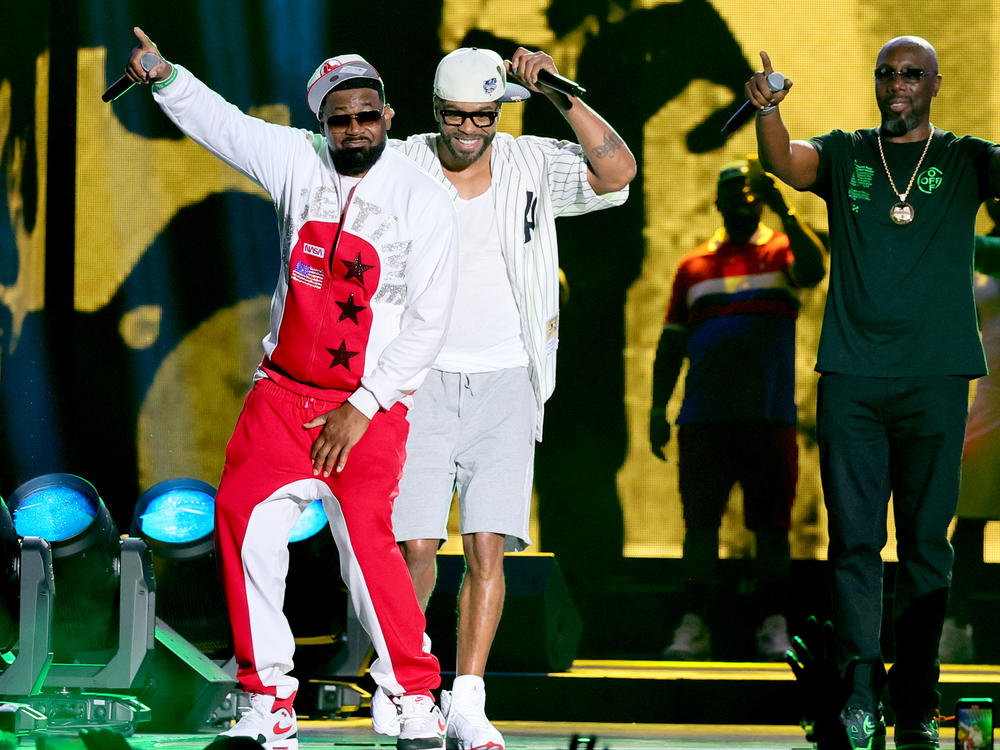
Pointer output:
560, 84
775, 81
148, 61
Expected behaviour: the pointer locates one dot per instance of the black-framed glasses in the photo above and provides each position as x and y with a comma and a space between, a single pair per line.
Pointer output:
457, 118
907, 75
343, 121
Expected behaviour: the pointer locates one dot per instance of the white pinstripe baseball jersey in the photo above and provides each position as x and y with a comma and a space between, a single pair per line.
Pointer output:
534, 181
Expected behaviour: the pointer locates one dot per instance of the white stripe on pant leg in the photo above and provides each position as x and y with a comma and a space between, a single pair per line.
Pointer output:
381, 669
265, 565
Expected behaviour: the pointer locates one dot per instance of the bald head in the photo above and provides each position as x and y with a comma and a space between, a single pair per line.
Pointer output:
915, 45
906, 80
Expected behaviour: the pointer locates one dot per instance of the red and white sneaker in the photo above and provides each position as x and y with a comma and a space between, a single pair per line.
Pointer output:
274, 728
421, 724
465, 710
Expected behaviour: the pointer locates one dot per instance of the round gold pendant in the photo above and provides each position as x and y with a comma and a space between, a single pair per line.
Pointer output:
901, 213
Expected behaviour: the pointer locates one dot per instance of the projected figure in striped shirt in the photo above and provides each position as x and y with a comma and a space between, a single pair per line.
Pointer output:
732, 314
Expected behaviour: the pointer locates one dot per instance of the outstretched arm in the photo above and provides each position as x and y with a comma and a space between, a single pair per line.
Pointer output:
793, 162
611, 164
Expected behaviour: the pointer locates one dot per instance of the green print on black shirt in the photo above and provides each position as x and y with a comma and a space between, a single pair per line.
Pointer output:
900, 298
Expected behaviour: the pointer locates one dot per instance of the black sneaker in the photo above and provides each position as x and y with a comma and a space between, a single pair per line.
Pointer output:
865, 730
917, 734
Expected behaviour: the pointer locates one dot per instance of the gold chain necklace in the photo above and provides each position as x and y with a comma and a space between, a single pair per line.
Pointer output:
902, 212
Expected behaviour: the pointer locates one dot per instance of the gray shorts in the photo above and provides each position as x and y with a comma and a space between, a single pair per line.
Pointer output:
474, 434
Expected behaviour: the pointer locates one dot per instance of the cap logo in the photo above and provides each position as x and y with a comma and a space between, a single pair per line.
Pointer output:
327, 67
489, 85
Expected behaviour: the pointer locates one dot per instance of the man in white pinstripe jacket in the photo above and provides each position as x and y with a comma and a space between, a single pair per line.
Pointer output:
476, 417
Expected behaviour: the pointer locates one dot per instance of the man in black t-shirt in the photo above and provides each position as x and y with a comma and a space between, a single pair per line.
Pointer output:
898, 347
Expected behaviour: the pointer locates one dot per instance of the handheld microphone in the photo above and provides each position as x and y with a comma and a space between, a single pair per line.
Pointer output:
775, 81
148, 61
560, 84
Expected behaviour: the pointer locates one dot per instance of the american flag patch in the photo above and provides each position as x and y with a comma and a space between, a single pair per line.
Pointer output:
306, 274
314, 250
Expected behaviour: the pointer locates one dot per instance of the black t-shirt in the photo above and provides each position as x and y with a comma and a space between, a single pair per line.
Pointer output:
900, 300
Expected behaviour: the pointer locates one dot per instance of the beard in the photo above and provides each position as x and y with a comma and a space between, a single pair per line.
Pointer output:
358, 160
464, 158
895, 124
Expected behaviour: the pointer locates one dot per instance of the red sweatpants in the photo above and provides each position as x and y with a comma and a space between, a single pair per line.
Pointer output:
266, 483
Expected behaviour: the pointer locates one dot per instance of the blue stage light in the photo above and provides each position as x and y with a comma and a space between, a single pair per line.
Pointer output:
179, 515
55, 507
313, 519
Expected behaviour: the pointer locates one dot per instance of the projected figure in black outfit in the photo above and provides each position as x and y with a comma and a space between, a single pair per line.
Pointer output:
585, 435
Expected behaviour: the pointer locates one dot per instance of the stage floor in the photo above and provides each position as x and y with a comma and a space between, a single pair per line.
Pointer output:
356, 734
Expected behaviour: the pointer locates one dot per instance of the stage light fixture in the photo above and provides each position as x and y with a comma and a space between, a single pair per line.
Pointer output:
104, 611
176, 519
102, 628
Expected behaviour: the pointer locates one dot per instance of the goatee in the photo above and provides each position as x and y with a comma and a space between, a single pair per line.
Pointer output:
356, 161
893, 127
462, 157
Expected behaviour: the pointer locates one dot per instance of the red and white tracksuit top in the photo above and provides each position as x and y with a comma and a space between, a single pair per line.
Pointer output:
359, 313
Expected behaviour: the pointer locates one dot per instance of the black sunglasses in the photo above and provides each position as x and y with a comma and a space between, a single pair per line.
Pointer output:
342, 122
909, 75
457, 117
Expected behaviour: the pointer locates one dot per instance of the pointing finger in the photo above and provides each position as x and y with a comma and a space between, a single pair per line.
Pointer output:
145, 42
767, 63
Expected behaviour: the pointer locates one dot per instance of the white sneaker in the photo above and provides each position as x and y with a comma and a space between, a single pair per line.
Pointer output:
421, 725
772, 638
465, 710
956, 643
385, 713
274, 729
692, 640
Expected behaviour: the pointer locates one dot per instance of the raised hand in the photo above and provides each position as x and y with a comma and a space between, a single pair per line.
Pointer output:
758, 90
134, 69
525, 65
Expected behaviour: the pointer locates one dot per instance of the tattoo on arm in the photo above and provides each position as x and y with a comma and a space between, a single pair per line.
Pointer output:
611, 144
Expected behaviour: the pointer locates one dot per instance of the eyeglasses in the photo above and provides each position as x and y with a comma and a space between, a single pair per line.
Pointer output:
908, 75
343, 121
456, 117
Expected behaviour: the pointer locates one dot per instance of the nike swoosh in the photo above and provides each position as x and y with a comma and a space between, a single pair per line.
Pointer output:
441, 725
278, 729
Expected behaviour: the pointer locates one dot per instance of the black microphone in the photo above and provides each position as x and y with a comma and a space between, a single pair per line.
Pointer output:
148, 61
560, 84
775, 81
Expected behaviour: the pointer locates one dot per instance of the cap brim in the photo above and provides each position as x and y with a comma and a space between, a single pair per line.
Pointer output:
515, 93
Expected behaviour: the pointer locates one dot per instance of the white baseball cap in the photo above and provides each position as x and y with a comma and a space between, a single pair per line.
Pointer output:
470, 74
336, 71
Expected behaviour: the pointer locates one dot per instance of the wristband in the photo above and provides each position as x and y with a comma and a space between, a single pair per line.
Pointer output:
160, 85
767, 110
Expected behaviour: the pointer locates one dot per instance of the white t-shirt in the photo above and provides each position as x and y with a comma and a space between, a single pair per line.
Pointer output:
485, 330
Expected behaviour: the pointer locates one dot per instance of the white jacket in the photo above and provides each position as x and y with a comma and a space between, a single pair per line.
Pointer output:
367, 279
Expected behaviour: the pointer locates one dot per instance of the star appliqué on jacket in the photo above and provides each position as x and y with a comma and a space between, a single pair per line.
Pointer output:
356, 269
349, 310
341, 356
